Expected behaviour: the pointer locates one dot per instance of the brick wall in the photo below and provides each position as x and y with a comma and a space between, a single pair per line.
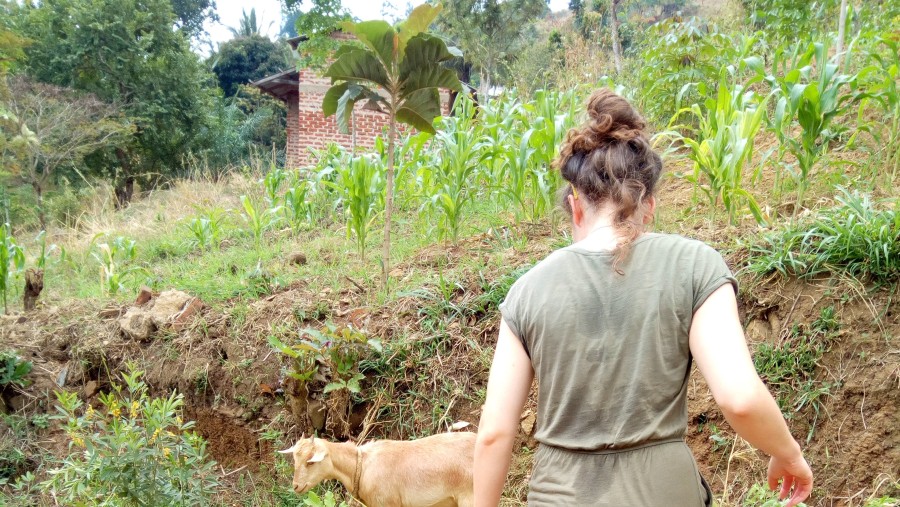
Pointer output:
308, 128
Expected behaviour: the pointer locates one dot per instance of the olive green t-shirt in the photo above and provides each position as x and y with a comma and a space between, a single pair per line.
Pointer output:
610, 351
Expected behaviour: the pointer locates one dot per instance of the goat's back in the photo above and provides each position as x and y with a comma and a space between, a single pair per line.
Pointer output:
429, 472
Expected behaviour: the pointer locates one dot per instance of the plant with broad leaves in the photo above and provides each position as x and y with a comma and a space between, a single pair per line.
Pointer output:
326, 500
337, 349
880, 84
13, 369
131, 449
398, 71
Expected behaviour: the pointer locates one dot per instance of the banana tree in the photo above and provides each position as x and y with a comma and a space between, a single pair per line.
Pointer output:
397, 70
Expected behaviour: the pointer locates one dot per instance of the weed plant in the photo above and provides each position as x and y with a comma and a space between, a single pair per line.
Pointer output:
116, 259
131, 450
858, 238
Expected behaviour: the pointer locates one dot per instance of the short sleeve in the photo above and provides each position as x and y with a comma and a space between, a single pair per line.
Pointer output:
510, 309
710, 273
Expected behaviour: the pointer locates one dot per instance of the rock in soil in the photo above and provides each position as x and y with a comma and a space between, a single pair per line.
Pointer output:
144, 296
297, 259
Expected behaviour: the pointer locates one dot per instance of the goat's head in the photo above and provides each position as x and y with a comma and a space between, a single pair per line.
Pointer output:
312, 464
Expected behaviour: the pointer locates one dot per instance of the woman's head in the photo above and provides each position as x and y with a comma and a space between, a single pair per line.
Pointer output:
610, 166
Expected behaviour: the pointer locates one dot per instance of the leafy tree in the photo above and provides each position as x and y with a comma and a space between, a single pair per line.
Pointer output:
245, 59
125, 52
191, 14
247, 26
316, 26
404, 64
66, 126
490, 32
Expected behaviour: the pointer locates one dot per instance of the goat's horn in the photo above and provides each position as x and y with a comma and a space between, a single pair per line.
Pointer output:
290, 450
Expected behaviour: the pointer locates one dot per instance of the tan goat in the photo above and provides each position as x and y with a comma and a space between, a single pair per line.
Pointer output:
435, 471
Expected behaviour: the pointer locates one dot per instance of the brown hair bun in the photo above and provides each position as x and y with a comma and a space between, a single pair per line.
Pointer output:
612, 118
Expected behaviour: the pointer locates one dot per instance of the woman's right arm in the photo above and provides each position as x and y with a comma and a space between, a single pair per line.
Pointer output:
718, 345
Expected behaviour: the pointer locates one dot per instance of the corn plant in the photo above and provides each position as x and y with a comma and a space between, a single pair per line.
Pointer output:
460, 149
881, 86
272, 183
360, 184
44, 250
297, 209
116, 260
12, 260
723, 144
207, 228
811, 95
260, 220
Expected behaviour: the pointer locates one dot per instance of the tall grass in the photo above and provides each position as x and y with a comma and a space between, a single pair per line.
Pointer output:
858, 238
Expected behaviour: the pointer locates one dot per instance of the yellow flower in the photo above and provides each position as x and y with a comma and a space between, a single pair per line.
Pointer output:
90, 411
134, 409
116, 412
155, 435
178, 420
166, 452
78, 441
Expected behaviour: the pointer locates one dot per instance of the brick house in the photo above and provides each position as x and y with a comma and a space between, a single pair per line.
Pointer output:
303, 91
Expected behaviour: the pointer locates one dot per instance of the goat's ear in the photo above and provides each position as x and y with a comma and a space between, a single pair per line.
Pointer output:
290, 450
317, 457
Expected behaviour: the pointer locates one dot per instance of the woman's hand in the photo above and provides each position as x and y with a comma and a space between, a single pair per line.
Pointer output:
794, 472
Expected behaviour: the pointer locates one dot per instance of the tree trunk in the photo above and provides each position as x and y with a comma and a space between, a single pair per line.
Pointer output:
124, 187
842, 23
34, 284
614, 25
39, 200
388, 201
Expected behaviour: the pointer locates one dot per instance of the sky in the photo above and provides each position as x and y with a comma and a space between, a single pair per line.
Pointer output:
269, 11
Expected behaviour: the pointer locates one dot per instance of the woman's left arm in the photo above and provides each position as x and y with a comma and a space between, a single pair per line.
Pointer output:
508, 387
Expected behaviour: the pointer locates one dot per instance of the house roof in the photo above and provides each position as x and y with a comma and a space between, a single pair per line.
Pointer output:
280, 85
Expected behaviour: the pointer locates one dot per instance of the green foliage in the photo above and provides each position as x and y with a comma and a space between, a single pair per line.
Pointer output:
789, 367
405, 63
132, 450
247, 25
13, 370
206, 229
247, 59
12, 260
679, 58
298, 210
116, 261
125, 52
334, 349
811, 94
317, 24
858, 238
360, 184
879, 83
459, 160
783, 20
761, 496
722, 144
327, 500
491, 33
260, 220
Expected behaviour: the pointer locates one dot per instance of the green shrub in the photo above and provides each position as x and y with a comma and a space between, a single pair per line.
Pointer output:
133, 450
679, 58
855, 238
13, 369
12, 260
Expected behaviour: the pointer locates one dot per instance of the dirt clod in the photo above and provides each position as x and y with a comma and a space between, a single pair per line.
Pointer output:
297, 259
91, 388
144, 296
